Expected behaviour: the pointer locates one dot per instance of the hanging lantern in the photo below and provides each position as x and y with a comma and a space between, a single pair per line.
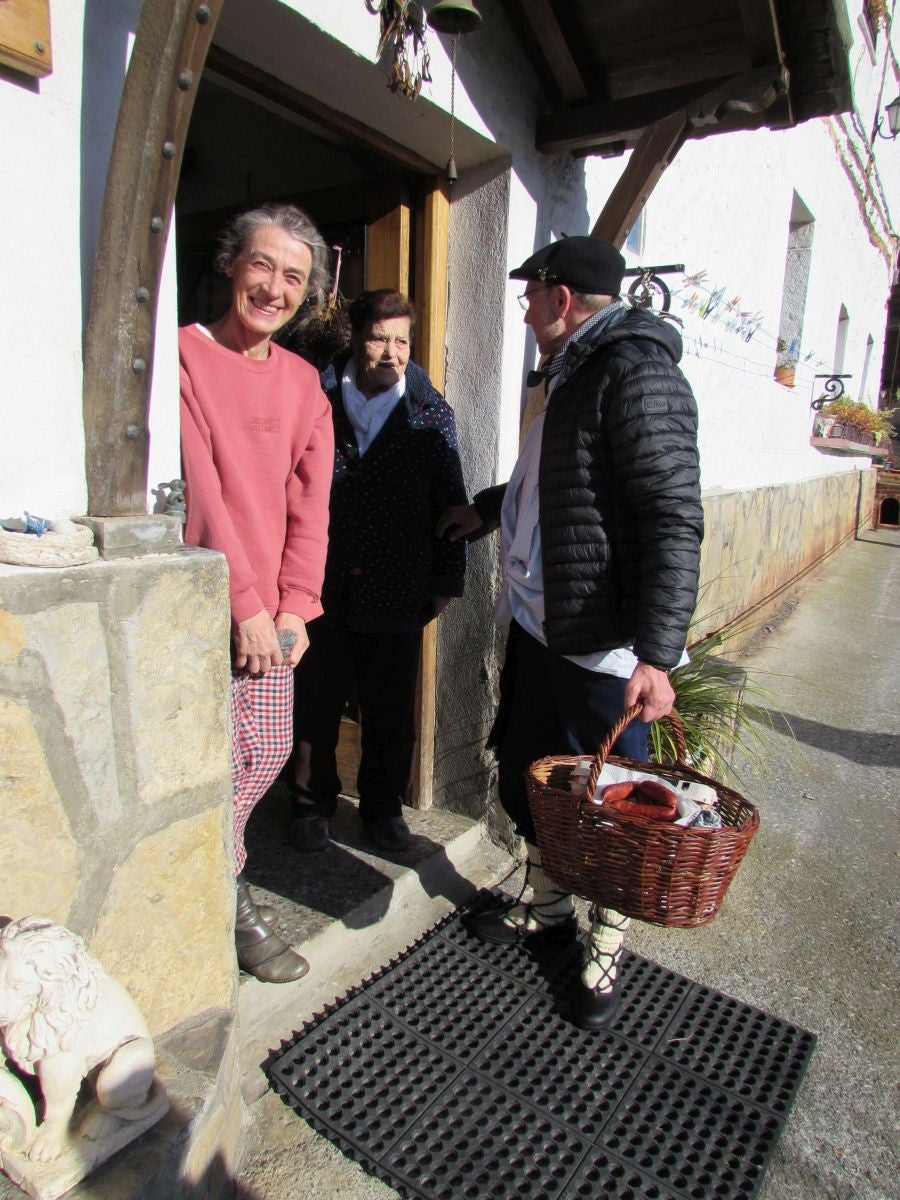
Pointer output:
454, 16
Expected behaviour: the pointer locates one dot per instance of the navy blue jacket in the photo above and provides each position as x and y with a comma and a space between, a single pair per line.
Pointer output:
385, 566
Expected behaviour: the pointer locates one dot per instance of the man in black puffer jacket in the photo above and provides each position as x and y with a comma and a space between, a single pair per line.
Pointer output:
601, 525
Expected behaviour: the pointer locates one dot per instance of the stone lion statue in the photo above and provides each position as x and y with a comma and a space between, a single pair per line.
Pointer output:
64, 1020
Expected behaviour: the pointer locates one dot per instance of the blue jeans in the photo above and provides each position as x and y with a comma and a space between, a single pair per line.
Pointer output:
549, 705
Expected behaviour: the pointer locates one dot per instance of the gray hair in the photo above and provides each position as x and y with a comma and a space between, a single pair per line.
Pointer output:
593, 300
292, 219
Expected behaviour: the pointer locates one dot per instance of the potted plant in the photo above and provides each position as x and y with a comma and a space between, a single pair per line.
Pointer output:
786, 362
853, 421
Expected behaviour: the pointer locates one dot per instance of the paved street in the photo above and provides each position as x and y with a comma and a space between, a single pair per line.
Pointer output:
807, 931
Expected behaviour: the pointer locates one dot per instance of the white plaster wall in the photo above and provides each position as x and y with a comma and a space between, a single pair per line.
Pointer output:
350, 23
56, 139
723, 208
40, 302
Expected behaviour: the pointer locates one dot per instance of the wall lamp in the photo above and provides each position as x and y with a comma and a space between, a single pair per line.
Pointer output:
892, 112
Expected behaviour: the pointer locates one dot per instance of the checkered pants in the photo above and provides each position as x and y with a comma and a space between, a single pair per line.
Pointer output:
261, 728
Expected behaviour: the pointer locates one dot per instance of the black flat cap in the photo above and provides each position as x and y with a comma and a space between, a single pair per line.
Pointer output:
585, 264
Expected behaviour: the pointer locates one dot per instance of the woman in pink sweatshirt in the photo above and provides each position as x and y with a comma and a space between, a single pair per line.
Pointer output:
258, 452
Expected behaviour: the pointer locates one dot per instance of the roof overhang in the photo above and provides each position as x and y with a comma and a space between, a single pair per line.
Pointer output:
609, 70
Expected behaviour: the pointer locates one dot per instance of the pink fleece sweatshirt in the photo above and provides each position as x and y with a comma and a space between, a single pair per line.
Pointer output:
257, 448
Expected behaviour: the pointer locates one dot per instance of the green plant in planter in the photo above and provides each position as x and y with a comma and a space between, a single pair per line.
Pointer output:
852, 412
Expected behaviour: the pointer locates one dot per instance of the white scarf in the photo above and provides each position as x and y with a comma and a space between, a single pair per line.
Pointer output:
368, 415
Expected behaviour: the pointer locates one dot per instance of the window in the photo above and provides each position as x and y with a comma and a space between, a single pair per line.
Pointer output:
870, 343
796, 281
634, 243
840, 340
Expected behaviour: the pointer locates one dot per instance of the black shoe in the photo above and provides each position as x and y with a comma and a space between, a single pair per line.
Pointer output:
388, 833
309, 834
490, 926
592, 1010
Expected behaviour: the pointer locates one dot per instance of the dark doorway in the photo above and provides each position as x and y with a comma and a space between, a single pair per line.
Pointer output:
243, 150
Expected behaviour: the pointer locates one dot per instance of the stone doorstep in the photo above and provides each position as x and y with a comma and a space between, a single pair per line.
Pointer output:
370, 908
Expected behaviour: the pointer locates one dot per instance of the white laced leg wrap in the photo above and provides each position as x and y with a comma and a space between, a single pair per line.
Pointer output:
603, 949
549, 904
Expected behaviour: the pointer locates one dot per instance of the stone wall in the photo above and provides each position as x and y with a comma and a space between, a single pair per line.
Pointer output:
115, 780
759, 543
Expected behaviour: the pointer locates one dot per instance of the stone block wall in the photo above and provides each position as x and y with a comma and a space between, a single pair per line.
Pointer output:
760, 542
115, 770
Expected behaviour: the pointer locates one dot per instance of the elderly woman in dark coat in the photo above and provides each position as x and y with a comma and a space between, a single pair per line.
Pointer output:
387, 575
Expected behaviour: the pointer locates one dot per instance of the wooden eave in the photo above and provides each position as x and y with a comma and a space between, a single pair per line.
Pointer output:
611, 70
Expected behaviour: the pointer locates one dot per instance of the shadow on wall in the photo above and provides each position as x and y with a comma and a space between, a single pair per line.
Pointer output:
501, 85
109, 28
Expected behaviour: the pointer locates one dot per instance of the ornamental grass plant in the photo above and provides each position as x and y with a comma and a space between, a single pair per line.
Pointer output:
723, 711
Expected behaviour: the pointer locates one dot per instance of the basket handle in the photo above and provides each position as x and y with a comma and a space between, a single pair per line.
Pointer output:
623, 722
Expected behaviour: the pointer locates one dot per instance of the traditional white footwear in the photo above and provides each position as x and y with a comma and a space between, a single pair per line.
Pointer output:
598, 991
549, 912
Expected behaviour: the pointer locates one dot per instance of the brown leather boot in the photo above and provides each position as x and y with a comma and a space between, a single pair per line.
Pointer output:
260, 951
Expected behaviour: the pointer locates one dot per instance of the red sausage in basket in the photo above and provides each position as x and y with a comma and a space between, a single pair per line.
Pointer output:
642, 799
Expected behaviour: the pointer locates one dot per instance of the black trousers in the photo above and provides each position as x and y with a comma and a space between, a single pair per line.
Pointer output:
379, 671
549, 705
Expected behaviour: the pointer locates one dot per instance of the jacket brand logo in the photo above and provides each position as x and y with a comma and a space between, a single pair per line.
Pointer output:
265, 424
652, 404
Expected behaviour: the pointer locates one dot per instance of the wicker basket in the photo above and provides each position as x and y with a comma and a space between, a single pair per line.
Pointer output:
656, 871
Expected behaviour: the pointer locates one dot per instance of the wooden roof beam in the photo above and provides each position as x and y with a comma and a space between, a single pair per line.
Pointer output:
760, 25
553, 47
658, 145
704, 106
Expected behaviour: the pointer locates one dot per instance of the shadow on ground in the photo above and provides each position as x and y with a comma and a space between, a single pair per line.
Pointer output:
873, 749
351, 881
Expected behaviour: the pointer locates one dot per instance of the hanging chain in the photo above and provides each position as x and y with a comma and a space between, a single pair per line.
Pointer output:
453, 93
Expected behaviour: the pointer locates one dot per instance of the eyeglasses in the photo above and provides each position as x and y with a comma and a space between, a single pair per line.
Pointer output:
526, 296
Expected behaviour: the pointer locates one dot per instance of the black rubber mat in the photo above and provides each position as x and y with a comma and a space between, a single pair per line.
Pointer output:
455, 1075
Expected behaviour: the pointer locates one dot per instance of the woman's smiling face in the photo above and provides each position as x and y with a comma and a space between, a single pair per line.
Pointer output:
269, 280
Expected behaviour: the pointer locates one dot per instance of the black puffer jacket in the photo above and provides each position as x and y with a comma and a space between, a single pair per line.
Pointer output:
385, 566
619, 483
